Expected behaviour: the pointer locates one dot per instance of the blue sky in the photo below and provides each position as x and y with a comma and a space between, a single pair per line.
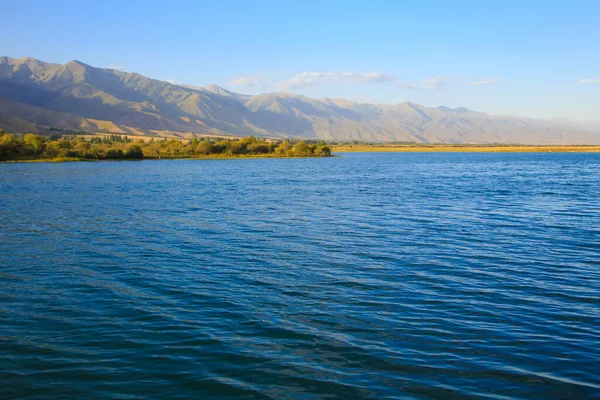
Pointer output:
531, 58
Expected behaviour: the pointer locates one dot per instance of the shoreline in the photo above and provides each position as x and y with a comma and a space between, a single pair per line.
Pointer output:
75, 159
466, 149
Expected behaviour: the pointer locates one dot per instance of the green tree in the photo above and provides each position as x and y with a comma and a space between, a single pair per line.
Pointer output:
114, 154
257, 148
301, 149
152, 149
34, 142
238, 147
52, 149
220, 147
65, 143
283, 148
83, 148
133, 151
204, 147
248, 140
8, 146
322, 151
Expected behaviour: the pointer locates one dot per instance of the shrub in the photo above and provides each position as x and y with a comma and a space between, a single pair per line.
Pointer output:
114, 154
301, 149
283, 148
257, 148
204, 147
220, 147
133, 151
237, 148
322, 151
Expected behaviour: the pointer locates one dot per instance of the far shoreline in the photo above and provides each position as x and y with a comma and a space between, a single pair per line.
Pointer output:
445, 148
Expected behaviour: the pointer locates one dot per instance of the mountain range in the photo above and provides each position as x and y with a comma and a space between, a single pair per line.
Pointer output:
37, 96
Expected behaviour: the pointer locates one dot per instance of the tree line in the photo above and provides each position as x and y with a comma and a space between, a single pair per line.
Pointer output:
115, 147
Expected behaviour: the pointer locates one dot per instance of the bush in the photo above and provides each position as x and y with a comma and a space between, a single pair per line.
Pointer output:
33, 142
301, 149
237, 148
322, 151
133, 151
204, 147
114, 154
9, 146
220, 147
283, 148
257, 148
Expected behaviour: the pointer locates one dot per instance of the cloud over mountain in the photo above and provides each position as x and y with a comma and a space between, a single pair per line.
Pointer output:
434, 83
249, 80
485, 81
305, 79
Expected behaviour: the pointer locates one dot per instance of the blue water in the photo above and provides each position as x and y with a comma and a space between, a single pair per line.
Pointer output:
362, 276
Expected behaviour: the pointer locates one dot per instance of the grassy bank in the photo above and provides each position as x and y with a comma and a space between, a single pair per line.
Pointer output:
462, 148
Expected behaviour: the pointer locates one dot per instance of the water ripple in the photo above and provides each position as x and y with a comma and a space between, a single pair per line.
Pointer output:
363, 276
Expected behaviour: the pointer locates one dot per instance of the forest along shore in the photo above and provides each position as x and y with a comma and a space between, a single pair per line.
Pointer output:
32, 147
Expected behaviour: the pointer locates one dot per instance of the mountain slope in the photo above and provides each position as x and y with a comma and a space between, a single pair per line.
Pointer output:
36, 96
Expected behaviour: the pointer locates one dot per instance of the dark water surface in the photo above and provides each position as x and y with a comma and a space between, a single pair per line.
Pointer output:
364, 276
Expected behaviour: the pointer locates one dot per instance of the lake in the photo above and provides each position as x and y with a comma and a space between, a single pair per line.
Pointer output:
421, 275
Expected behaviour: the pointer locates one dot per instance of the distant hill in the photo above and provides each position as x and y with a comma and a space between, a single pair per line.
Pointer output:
36, 96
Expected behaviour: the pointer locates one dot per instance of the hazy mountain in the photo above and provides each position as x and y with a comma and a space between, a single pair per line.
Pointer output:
592, 126
36, 96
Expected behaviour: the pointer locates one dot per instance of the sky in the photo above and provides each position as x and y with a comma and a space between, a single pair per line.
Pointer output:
530, 58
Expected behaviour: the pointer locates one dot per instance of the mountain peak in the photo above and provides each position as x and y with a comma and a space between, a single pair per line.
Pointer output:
26, 59
216, 89
458, 110
76, 63
219, 91
26, 66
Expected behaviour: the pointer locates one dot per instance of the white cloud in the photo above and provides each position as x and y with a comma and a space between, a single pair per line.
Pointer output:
305, 79
171, 81
249, 80
117, 67
485, 81
590, 80
437, 82
434, 83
